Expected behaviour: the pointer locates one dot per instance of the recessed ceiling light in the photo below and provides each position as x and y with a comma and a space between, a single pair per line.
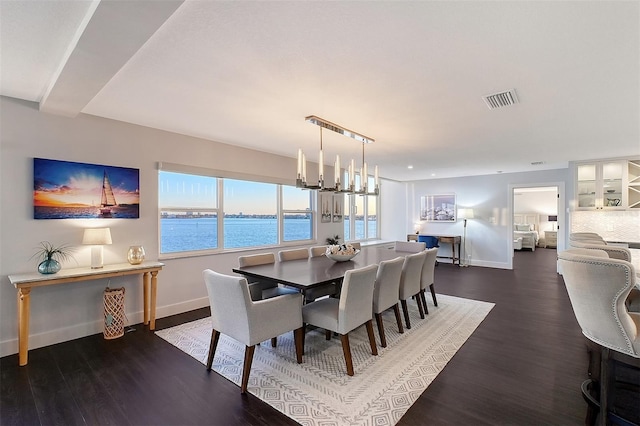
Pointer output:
433, 174
409, 167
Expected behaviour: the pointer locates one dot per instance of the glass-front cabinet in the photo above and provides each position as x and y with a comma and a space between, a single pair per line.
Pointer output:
602, 185
633, 185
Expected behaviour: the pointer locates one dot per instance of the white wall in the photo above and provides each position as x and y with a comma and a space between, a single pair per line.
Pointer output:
27, 133
488, 234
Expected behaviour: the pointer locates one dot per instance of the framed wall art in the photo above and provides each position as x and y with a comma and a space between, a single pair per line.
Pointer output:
338, 201
69, 190
438, 208
325, 207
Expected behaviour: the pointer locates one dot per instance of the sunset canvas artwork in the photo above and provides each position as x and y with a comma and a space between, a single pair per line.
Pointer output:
69, 190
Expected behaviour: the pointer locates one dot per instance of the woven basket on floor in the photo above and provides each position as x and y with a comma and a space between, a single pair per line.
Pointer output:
113, 313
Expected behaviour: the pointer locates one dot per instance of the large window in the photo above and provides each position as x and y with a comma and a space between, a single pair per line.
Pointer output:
361, 215
203, 213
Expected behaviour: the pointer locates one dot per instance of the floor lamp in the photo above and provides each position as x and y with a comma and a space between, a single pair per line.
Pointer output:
465, 214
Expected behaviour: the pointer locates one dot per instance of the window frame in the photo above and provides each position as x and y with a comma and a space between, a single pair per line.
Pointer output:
220, 177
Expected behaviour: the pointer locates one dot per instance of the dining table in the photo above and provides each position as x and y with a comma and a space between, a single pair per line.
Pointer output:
305, 274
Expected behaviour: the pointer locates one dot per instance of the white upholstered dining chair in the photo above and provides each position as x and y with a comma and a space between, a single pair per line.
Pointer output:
410, 246
317, 251
352, 310
234, 314
410, 283
386, 294
427, 278
293, 254
263, 289
598, 287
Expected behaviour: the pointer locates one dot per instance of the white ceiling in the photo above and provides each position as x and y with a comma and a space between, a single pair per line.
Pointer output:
409, 74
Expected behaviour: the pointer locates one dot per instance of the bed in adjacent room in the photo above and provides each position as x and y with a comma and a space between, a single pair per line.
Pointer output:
526, 226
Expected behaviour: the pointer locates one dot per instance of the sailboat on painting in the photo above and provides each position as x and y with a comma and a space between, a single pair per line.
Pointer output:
108, 200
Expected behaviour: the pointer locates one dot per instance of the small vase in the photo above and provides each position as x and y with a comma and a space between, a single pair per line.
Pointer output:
49, 266
135, 256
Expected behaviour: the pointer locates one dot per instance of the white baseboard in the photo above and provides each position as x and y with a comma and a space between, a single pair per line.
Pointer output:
51, 337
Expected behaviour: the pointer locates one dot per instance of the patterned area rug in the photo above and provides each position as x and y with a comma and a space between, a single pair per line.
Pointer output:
318, 391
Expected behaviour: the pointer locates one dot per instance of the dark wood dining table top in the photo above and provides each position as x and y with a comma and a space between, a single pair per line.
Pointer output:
315, 271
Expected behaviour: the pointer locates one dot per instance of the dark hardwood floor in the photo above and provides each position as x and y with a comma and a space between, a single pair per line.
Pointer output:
522, 366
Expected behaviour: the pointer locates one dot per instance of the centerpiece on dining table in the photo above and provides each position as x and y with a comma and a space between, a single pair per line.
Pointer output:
341, 252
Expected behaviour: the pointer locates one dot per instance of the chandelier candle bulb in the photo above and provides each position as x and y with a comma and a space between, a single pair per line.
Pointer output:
352, 173
299, 164
376, 178
304, 169
364, 178
321, 169
337, 170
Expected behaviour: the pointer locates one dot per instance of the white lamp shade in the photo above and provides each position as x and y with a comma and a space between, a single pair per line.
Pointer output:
465, 213
97, 236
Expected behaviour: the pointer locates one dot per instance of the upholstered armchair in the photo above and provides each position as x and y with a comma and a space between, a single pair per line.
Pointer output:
598, 287
249, 322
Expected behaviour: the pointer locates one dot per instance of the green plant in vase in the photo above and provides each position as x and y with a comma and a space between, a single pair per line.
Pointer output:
332, 241
49, 256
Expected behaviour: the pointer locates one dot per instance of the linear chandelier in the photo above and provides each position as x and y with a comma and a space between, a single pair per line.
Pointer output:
350, 187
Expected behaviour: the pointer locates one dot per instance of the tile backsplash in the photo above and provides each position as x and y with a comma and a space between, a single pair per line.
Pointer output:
620, 225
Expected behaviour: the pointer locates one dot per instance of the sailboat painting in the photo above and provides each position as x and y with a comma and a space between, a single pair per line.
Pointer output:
69, 190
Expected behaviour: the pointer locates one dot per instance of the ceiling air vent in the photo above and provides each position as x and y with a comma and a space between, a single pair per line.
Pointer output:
501, 99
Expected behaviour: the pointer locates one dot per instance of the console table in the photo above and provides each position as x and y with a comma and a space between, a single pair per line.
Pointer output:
25, 282
446, 239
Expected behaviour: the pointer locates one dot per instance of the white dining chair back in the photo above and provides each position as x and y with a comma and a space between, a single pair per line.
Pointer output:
385, 294
293, 254
347, 313
410, 246
234, 314
410, 283
614, 252
317, 251
427, 278
263, 289
331, 289
256, 259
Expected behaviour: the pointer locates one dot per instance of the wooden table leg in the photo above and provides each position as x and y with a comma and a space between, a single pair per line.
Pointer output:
24, 299
154, 293
145, 297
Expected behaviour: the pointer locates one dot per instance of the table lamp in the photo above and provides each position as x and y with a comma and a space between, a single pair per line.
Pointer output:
96, 237
553, 220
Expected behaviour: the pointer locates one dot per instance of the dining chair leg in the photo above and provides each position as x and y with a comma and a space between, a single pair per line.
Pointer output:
215, 336
246, 369
419, 303
274, 342
383, 338
304, 335
327, 334
346, 350
372, 338
298, 338
433, 294
405, 311
423, 298
396, 310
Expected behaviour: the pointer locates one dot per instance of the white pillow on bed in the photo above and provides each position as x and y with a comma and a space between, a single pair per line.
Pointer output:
523, 227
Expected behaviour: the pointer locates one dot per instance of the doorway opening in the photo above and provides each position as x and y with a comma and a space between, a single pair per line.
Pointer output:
537, 219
